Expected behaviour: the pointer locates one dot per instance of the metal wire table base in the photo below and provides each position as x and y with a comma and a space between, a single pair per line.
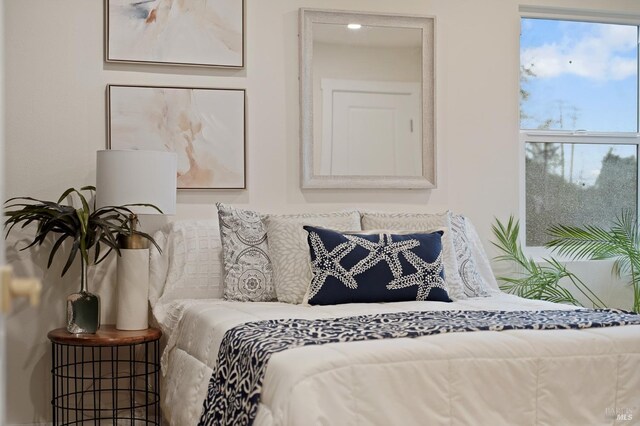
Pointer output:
106, 384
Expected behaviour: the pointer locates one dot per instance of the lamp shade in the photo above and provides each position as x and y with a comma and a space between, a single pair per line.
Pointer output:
133, 177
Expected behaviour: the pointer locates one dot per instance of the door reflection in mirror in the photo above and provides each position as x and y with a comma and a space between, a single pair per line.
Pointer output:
367, 98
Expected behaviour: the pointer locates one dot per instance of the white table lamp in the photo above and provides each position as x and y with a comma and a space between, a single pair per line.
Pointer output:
135, 177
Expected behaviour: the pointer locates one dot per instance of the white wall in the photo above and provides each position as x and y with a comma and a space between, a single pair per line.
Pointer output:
56, 121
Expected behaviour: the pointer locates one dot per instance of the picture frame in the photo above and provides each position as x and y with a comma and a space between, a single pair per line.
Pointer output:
206, 127
317, 79
200, 34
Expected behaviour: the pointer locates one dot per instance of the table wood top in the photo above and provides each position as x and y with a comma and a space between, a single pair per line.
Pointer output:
107, 335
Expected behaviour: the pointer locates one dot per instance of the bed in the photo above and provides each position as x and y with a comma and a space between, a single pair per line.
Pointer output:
569, 377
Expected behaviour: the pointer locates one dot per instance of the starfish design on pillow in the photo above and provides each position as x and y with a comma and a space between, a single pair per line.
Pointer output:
327, 263
384, 249
426, 277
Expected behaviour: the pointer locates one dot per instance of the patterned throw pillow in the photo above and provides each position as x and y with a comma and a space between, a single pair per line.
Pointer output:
474, 285
247, 266
370, 268
421, 222
290, 253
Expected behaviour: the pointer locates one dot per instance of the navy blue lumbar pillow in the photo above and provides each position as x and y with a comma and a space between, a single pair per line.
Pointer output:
365, 268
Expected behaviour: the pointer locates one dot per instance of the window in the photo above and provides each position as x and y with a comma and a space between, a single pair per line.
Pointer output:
578, 122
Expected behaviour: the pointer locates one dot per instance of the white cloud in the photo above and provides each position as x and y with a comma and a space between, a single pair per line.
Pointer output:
601, 55
622, 68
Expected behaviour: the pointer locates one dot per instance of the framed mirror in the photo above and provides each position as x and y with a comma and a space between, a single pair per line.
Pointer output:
367, 100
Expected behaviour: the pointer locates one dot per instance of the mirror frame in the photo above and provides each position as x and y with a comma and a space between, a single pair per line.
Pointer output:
427, 24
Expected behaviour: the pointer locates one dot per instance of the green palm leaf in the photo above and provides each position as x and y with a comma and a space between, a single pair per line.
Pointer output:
535, 280
86, 227
620, 243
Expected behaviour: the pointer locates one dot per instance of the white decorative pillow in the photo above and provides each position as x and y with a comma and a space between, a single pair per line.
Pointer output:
423, 222
247, 266
290, 253
474, 285
190, 265
481, 259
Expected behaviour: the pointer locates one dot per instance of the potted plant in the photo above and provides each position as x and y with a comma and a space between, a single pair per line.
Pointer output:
539, 280
87, 228
620, 242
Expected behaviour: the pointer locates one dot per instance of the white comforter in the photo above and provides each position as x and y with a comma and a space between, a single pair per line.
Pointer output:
553, 377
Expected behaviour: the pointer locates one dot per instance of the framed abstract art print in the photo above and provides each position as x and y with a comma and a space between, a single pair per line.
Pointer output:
175, 32
205, 127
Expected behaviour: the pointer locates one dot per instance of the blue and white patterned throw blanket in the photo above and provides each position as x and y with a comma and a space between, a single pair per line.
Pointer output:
236, 382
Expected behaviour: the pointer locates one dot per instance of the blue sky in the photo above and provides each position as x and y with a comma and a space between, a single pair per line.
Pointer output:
586, 73
586, 78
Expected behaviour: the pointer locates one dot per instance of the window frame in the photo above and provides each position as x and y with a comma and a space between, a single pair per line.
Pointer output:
568, 136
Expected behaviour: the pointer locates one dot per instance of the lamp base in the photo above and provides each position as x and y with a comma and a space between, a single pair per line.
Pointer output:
133, 289
132, 242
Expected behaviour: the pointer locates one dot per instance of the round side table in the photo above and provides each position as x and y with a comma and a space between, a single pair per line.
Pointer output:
110, 375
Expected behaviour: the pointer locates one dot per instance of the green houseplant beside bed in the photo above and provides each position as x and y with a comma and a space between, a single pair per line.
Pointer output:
541, 280
620, 242
87, 229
